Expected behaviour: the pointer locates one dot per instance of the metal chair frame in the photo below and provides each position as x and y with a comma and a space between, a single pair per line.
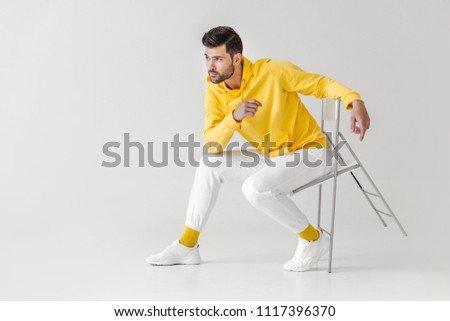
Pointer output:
331, 112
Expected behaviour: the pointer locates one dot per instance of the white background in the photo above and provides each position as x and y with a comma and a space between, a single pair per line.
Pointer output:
77, 74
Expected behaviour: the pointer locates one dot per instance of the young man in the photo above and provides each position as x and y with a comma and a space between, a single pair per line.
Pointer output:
260, 100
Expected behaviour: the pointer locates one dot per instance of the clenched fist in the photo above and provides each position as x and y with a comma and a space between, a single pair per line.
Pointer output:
245, 109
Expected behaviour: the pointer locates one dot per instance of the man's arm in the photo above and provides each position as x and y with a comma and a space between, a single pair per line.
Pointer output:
219, 128
294, 79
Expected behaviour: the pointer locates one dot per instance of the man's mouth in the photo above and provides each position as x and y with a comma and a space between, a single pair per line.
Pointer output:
213, 74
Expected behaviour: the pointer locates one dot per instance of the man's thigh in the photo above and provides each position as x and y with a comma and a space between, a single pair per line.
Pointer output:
291, 171
235, 165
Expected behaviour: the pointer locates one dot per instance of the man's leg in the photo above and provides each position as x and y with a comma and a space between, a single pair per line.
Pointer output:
205, 188
268, 190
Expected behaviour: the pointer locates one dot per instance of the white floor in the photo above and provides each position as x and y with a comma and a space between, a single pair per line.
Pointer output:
371, 263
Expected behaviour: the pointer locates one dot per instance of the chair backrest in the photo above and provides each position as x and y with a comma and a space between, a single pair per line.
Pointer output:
331, 113
330, 109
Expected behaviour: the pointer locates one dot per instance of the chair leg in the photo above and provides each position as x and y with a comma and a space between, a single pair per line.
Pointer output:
391, 213
333, 214
319, 207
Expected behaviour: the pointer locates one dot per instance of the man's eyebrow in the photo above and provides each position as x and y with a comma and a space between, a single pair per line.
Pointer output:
206, 55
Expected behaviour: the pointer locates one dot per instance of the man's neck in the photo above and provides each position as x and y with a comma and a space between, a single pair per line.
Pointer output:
234, 82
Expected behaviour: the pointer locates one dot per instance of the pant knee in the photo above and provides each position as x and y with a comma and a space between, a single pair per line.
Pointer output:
256, 192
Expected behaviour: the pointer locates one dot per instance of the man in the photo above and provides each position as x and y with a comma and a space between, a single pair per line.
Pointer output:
260, 100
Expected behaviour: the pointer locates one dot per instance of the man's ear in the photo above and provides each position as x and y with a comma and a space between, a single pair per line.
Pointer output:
237, 58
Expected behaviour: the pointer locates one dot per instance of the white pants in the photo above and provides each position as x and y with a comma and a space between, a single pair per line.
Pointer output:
266, 186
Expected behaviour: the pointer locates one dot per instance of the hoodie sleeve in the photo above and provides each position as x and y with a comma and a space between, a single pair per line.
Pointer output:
219, 127
294, 79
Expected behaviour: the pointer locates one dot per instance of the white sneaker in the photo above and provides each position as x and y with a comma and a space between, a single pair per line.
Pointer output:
308, 253
176, 253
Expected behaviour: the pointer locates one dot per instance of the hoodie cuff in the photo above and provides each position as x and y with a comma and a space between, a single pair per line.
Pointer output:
348, 99
230, 122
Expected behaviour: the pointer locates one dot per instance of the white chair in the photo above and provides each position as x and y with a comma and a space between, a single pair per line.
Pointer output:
331, 113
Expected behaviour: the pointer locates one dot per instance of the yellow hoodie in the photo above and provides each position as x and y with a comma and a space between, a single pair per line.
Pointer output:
283, 116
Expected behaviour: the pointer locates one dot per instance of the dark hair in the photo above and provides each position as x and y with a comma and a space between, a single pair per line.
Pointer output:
223, 35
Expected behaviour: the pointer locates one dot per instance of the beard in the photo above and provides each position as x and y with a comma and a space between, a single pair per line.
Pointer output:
222, 77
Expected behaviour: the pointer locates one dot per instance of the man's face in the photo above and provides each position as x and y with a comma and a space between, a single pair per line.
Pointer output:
219, 64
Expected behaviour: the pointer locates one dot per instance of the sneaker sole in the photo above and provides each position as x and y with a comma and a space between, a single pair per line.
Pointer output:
170, 264
194, 261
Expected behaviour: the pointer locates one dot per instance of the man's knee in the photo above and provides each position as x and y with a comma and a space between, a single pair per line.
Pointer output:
256, 191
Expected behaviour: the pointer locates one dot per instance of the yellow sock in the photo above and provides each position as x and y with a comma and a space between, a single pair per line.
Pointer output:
189, 237
309, 234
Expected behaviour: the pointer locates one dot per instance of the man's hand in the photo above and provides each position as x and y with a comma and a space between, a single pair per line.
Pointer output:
359, 119
245, 109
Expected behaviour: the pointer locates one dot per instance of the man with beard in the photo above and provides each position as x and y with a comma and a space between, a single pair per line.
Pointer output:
260, 100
